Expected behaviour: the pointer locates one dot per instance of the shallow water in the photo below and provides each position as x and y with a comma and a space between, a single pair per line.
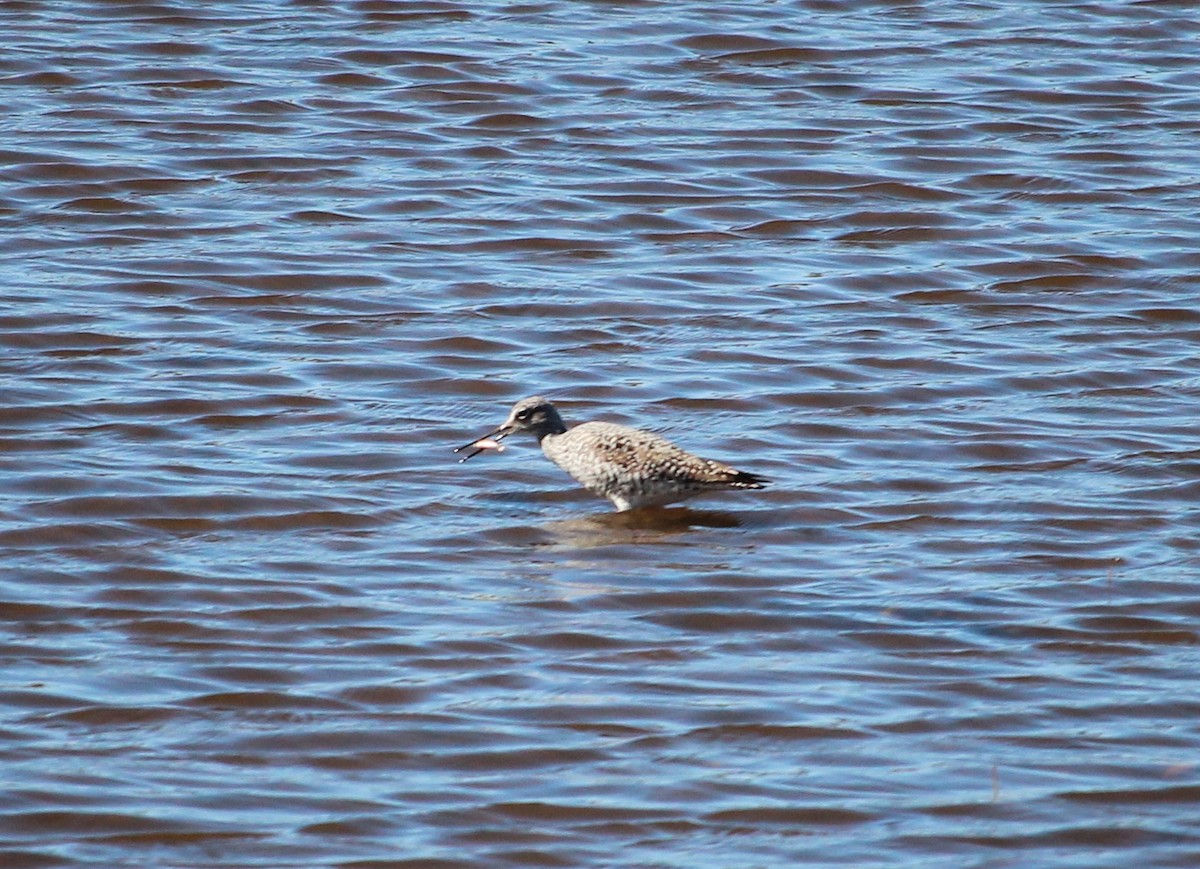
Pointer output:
931, 267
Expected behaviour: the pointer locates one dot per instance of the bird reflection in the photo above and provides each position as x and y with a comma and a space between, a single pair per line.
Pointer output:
634, 526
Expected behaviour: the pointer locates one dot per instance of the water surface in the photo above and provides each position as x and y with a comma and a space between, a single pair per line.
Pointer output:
932, 267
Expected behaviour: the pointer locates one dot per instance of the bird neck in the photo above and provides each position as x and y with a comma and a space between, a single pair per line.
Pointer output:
552, 426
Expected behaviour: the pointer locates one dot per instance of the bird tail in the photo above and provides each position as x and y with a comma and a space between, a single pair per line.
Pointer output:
747, 480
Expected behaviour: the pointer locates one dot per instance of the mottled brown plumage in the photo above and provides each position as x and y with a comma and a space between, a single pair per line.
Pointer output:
630, 467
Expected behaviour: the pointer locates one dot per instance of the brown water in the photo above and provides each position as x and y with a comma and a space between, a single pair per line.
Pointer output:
933, 267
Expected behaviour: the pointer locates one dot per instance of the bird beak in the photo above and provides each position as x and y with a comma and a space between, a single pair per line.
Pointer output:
487, 442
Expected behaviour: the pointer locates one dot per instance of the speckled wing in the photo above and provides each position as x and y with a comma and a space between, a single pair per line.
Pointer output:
616, 461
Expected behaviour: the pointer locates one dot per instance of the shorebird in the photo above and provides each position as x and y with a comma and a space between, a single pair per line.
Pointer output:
630, 467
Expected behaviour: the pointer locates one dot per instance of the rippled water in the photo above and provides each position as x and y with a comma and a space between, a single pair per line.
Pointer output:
930, 266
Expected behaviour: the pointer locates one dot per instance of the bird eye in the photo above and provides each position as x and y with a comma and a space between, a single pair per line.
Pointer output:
523, 415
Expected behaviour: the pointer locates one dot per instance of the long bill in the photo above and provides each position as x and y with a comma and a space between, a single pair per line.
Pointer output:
487, 442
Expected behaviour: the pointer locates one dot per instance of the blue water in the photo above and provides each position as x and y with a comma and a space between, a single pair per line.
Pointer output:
929, 267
